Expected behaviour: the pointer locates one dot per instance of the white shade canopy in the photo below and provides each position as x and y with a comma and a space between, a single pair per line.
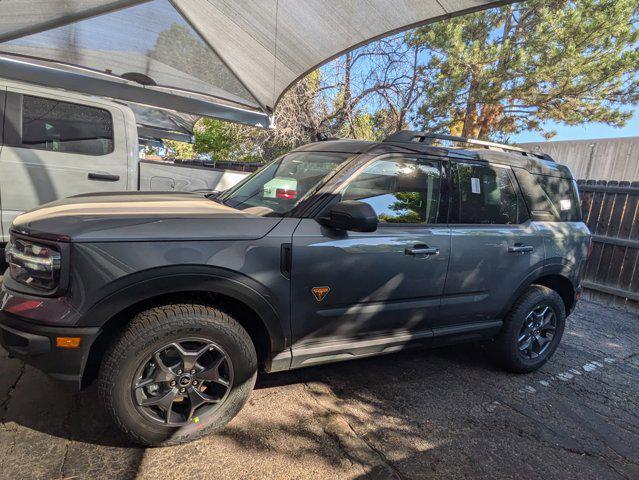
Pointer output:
230, 59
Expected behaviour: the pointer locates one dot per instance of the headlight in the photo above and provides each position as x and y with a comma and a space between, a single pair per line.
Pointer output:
37, 266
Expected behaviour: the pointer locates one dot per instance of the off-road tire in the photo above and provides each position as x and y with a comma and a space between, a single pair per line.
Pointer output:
505, 349
150, 330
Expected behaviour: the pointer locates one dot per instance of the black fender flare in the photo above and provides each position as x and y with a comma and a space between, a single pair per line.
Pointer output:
140, 286
563, 269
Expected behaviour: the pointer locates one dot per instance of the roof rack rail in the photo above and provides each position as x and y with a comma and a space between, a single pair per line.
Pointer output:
407, 136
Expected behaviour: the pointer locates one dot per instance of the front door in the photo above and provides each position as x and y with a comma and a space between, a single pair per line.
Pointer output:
494, 245
375, 289
55, 148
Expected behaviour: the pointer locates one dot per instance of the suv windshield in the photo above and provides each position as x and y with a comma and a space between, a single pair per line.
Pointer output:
281, 185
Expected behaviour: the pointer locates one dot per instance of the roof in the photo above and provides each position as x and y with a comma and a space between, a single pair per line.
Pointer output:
229, 59
524, 160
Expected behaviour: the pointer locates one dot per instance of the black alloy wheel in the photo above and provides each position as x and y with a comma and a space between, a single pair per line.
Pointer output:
537, 331
183, 381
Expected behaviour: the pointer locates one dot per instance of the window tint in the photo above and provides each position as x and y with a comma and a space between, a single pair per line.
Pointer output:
484, 195
551, 199
399, 189
65, 127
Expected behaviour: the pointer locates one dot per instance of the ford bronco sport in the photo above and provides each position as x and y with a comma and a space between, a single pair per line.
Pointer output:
337, 250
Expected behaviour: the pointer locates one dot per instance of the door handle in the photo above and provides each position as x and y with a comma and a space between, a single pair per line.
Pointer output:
419, 250
520, 248
103, 177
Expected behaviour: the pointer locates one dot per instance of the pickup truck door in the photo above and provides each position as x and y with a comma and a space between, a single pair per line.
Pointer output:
57, 146
359, 293
3, 95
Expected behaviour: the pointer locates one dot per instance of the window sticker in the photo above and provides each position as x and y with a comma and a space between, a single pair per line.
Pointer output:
475, 186
565, 204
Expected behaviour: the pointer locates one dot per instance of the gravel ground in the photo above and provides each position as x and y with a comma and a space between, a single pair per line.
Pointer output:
443, 413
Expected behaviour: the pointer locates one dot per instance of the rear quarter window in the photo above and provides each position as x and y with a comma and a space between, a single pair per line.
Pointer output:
549, 198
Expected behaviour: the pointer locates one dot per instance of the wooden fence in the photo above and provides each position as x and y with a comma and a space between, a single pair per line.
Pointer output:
610, 209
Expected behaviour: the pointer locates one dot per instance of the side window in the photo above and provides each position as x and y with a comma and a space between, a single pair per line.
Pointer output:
65, 127
484, 194
400, 190
550, 199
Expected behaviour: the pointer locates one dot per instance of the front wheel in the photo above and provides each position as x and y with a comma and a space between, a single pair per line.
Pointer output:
531, 332
176, 373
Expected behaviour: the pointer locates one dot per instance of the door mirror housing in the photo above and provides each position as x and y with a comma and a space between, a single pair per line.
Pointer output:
351, 215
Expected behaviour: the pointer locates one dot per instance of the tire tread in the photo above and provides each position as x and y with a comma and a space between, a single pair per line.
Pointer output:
147, 325
502, 350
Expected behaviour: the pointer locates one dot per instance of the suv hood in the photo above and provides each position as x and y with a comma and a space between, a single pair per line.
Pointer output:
141, 216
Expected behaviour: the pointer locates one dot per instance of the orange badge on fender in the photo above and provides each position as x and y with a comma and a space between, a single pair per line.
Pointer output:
320, 292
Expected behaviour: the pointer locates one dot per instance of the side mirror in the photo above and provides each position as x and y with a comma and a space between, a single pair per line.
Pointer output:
351, 215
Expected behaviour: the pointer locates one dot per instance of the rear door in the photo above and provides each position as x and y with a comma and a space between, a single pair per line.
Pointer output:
377, 287
494, 245
55, 148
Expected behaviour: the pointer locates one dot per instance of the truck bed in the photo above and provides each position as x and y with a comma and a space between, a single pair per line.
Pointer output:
163, 176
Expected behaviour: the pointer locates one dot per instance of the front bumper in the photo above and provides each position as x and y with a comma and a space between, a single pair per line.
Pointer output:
36, 345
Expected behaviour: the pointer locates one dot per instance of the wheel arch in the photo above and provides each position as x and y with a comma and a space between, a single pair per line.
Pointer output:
242, 297
554, 276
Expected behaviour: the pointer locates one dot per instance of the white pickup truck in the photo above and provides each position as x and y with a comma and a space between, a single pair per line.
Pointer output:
55, 143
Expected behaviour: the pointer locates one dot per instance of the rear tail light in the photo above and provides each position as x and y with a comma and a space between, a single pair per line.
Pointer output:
286, 194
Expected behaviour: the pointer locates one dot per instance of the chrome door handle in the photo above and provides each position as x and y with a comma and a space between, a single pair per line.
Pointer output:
418, 250
521, 249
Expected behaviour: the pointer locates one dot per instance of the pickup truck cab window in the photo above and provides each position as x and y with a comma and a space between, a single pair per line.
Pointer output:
65, 127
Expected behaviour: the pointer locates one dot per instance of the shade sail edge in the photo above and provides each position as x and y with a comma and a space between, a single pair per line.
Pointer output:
13, 69
200, 56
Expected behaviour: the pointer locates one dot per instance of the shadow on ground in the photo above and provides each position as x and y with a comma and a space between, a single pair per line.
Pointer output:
444, 413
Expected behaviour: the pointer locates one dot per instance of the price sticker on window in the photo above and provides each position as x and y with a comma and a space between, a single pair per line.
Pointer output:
565, 205
475, 186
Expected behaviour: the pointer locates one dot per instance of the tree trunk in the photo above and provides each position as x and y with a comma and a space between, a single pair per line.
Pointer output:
470, 118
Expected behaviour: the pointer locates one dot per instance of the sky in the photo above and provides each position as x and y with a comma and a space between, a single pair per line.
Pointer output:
583, 132
114, 33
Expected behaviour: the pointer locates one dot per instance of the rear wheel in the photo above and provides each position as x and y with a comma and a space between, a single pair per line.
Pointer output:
531, 332
176, 373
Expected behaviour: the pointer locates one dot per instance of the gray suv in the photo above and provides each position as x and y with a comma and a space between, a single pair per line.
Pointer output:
337, 250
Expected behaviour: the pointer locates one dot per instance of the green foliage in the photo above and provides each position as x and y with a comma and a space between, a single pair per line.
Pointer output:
175, 149
215, 138
505, 70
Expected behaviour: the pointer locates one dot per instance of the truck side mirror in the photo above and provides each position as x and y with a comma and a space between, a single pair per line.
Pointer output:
351, 215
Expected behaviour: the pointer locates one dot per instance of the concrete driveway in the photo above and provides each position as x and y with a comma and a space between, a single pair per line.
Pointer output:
443, 413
